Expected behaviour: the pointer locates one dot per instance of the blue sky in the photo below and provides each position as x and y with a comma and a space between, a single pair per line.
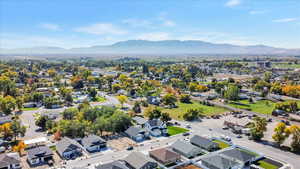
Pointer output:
78, 23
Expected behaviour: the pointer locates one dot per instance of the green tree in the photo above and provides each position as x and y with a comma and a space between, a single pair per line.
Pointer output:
165, 117
281, 133
70, 113
137, 107
41, 121
7, 104
232, 92
185, 98
191, 114
152, 112
122, 99
169, 99
17, 129
259, 126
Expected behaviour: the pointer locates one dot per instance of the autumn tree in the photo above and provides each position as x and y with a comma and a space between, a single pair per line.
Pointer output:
122, 99
281, 133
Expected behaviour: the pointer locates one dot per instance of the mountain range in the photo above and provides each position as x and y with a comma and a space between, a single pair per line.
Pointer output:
165, 47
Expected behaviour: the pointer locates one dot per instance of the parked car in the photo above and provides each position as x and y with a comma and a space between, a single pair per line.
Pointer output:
186, 134
225, 128
129, 148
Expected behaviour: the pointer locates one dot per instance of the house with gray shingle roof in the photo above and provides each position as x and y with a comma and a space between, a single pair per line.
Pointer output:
113, 165
219, 162
238, 154
186, 149
137, 160
39, 155
10, 161
93, 143
137, 134
204, 143
156, 127
68, 148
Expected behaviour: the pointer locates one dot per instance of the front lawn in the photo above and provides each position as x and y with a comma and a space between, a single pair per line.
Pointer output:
177, 113
266, 165
30, 109
222, 144
173, 130
100, 99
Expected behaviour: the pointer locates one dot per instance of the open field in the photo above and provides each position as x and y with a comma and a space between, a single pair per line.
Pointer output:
173, 130
287, 65
177, 113
262, 106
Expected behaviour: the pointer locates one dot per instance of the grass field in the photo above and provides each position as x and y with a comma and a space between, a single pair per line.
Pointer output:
177, 113
222, 144
266, 165
30, 109
286, 65
262, 106
173, 130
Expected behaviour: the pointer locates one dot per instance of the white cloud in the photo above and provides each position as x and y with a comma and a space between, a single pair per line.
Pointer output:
283, 20
137, 22
50, 26
156, 36
232, 3
169, 23
257, 12
101, 29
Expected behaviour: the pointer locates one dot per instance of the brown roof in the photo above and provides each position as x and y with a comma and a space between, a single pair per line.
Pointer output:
164, 154
188, 167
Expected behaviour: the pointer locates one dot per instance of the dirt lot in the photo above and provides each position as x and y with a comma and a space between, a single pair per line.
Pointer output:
121, 143
25, 164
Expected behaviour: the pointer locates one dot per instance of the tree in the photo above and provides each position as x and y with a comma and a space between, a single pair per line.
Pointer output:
152, 113
70, 113
191, 114
165, 117
5, 130
232, 92
281, 133
19, 102
295, 132
17, 129
41, 121
19, 147
92, 93
122, 99
116, 87
169, 99
77, 82
101, 124
259, 126
185, 98
137, 107
7, 104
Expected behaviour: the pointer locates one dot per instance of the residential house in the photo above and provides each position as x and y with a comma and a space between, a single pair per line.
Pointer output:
10, 161
219, 162
5, 119
186, 149
156, 128
137, 134
139, 121
68, 148
93, 143
113, 165
204, 143
137, 160
165, 156
39, 155
155, 100
238, 154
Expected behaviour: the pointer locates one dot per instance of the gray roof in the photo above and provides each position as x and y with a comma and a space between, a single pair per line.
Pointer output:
139, 120
67, 144
202, 142
6, 160
138, 160
40, 151
239, 154
155, 122
133, 131
92, 140
5, 119
185, 147
113, 165
218, 162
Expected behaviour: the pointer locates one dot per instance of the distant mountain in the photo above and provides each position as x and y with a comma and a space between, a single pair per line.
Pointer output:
174, 47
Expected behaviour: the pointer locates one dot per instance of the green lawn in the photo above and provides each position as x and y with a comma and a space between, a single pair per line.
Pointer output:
100, 99
266, 165
222, 144
173, 130
262, 106
286, 65
177, 113
30, 109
